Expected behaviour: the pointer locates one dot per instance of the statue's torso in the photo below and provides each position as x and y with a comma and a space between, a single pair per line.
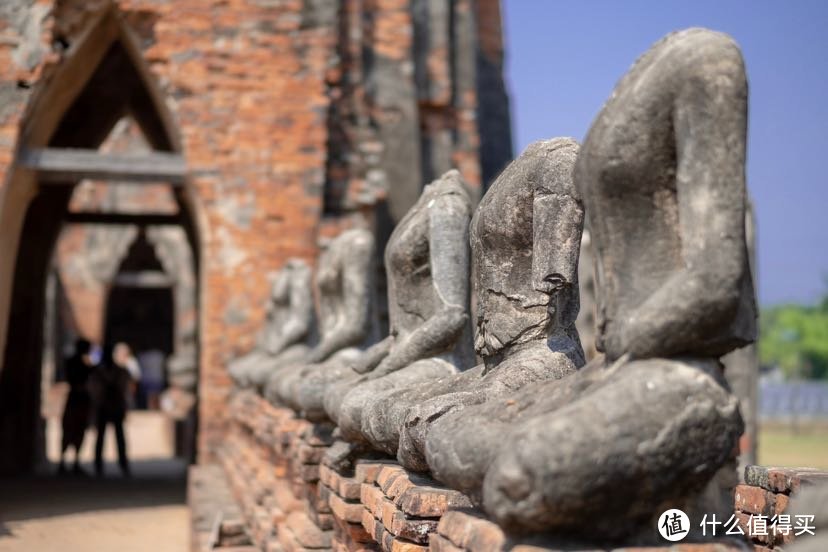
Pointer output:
413, 295
628, 181
329, 286
509, 309
412, 298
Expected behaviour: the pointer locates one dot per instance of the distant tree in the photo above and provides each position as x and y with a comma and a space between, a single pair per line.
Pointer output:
795, 338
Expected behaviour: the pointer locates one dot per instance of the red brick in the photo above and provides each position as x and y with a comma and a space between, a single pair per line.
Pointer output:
350, 512
754, 500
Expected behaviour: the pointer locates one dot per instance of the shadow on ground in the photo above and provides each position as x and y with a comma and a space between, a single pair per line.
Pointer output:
154, 483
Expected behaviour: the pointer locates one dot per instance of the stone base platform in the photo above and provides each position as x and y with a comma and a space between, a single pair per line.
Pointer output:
468, 531
286, 485
272, 462
402, 510
344, 496
767, 492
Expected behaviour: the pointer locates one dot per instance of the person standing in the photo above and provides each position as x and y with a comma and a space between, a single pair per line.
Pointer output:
76, 411
111, 384
152, 376
123, 357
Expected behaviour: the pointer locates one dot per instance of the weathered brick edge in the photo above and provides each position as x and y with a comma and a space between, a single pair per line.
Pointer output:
291, 496
767, 492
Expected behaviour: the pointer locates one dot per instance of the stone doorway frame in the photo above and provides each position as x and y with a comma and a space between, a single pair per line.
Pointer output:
99, 77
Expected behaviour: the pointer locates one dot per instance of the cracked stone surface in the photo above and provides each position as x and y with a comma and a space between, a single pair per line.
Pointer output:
347, 315
525, 239
663, 176
427, 263
653, 423
288, 324
555, 453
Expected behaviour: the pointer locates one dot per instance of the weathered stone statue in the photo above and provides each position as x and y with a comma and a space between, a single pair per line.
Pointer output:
296, 335
347, 318
238, 368
525, 238
427, 263
288, 323
598, 455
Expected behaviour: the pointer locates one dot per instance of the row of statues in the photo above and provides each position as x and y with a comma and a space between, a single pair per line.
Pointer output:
537, 437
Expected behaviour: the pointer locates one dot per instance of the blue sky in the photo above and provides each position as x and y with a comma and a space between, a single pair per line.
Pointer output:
564, 58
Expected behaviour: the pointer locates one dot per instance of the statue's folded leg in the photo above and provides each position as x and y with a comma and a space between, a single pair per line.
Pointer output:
648, 436
335, 394
310, 391
239, 368
236, 370
292, 379
280, 381
459, 444
421, 419
353, 405
535, 366
258, 374
384, 413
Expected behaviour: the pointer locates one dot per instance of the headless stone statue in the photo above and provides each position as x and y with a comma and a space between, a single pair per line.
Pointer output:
525, 239
427, 264
347, 315
287, 326
598, 455
295, 336
239, 367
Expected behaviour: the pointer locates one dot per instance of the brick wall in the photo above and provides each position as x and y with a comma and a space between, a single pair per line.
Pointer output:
294, 116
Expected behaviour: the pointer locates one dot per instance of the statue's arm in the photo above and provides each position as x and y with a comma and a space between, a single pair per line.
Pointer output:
710, 122
373, 355
357, 287
448, 222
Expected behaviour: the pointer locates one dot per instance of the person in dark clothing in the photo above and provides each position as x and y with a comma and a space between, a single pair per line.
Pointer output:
76, 411
111, 384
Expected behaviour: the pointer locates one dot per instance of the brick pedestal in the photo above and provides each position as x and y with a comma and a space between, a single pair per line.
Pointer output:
767, 492
463, 530
402, 510
344, 496
272, 460
284, 485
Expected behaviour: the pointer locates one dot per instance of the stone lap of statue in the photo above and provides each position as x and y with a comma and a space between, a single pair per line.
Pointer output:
427, 263
287, 326
347, 317
653, 426
525, 240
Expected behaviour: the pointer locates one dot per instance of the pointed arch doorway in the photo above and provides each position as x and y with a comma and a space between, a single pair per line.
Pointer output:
100, 79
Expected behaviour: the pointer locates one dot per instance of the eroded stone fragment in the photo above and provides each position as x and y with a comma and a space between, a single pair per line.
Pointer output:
525, 239
653, 425
347, 317
288, 325
427, 263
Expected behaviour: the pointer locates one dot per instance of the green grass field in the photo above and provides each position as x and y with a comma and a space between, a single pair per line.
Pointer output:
780, 445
